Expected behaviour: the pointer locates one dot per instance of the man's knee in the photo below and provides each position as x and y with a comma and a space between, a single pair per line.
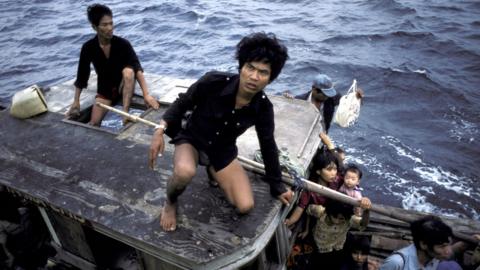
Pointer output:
184, 173
245, 207
128, 74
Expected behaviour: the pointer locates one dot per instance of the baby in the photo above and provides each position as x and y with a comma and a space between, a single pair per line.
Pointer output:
351, 182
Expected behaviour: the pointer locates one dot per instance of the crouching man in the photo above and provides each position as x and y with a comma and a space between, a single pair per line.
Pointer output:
224, 106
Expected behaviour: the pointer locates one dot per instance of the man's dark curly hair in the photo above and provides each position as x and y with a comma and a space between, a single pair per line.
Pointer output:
264, 48
95, 13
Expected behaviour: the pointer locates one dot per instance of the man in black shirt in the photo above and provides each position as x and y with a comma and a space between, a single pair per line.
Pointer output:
224, 105
115, 63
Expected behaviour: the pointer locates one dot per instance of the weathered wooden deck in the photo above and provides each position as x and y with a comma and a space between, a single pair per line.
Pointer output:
101, 180
95, 179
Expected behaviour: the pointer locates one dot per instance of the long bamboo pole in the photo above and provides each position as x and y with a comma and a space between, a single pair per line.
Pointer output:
308, 185
129, 116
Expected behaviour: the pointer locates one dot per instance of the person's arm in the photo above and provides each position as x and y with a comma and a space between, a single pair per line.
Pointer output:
75, 107
149, 100
265, 127
365, 219
460, 247
361, 223
185, 102
131, 60
171, 122
83, 74
306, 228
294, 217
158, 144
327, 141
393, 262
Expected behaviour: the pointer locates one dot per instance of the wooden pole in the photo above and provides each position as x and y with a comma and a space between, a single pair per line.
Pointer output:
129, 116
308, 185
308, 136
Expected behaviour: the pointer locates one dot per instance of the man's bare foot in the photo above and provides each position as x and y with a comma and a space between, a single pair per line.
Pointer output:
168, 217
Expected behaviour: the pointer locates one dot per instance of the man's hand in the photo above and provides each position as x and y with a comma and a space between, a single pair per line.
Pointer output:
156, 147
360, 93
289, 222
287, 94
326, 140
74, 110
286, 197
365, 203
151, 102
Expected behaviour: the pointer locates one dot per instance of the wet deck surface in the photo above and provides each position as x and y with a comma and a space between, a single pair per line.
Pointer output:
92, 175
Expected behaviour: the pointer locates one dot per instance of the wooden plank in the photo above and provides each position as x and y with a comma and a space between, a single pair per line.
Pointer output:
387, 243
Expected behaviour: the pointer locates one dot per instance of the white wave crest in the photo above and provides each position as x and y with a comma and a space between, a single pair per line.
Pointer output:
445, 179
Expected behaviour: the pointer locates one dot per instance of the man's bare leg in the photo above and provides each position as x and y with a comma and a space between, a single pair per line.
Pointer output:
185, 162
235, 183
127, 87
98, 113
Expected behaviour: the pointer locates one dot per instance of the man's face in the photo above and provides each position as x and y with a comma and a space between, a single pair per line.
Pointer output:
105, 27
440, 252
318, 95
254, 76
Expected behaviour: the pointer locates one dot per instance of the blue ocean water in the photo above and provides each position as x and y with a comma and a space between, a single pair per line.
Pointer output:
418, 62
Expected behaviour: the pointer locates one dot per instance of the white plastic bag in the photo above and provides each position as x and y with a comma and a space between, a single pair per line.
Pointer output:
348, 110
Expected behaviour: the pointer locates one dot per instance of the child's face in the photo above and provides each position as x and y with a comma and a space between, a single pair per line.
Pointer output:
358, 257
329, 173
339, 219
351, 179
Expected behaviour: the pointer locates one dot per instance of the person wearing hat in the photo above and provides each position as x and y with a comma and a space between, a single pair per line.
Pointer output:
324, 96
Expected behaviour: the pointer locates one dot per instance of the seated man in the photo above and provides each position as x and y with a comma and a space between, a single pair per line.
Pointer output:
431, 245
224, 106
324, 96
115, 63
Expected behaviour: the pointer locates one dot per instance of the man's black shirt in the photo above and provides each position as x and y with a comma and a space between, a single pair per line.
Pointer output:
109, 70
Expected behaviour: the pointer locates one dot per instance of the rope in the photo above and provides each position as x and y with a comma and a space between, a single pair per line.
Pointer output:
288, 166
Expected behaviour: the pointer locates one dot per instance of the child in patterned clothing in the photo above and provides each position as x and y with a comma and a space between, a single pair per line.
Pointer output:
333, 222
351, 182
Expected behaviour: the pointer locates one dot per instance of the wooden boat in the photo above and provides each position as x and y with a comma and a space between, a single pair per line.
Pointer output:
97, 197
